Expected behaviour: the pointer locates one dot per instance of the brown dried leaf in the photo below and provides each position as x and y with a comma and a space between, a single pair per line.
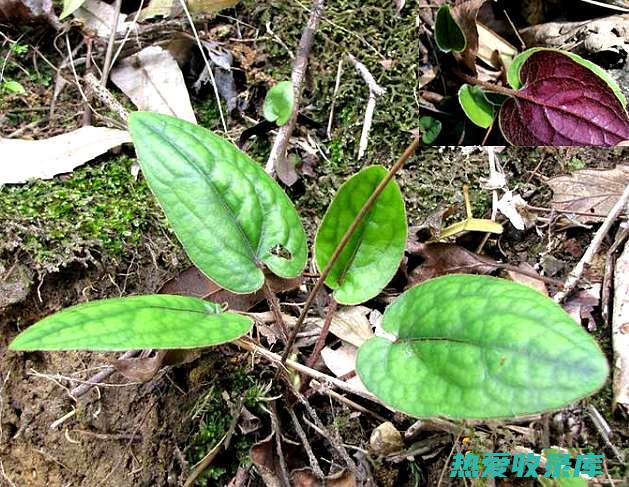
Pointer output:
151, 78
444, 258
581, 305
192, 282
529, 281
589, 191
143, 369
465, 11
248, 422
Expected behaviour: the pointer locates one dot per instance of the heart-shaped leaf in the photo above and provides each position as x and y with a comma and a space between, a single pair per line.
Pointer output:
430, 129
279, 103
479, 347
374, 252
448, 33
138, 322
562, 102
513, 73
230, 216
476, 105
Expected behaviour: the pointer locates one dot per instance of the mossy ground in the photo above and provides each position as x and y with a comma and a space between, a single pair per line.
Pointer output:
212, 414
99, 213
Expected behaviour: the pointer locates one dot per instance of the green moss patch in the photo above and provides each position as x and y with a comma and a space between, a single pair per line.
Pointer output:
99, 211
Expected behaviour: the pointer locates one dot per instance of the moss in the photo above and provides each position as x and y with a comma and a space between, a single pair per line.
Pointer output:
214, 418
207, 114
100, 209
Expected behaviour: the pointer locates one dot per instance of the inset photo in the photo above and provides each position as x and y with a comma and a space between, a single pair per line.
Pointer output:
526, 73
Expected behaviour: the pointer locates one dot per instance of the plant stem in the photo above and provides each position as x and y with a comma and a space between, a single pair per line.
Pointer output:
274, 304
489, 86
348, 234
110, 45
316, 351
278, 151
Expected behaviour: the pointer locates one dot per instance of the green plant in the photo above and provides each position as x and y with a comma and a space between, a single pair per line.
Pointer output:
279, 103
458, 346
8, 85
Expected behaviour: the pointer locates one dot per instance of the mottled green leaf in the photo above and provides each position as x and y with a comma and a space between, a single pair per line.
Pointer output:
230, 216
513, 73
138, 322
476, 105
279, 103
373, 254
448, 34
430, 128
479, 347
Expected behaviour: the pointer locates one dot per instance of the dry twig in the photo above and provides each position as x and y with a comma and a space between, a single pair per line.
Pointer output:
375, 90
595, 244
278, 152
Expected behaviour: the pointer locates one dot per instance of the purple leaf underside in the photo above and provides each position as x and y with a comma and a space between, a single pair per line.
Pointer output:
562, 103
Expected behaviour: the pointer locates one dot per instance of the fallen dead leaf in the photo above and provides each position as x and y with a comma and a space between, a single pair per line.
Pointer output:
351, 324
304, 477
581, 305
192, 282
465, 12
171, 8
24, 11
266, 460
493, 49
57, 155
444, 258
514, 208
341, 361
589, 191
153, 81
143, 369
529, 281
248, 422
98, 17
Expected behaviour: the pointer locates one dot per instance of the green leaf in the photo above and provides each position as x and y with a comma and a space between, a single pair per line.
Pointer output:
279, 103
137, 322
513, 73
230, 216
479, 347
373, 254
70, 6
430, 128
448, 35
476, 105
13, 87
